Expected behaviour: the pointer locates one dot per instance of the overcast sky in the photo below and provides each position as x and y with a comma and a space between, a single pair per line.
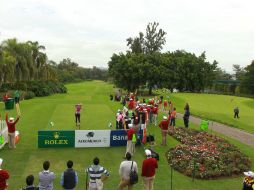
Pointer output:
89, 32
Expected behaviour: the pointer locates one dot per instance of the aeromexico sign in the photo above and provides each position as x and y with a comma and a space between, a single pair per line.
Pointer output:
92, 138
47, 139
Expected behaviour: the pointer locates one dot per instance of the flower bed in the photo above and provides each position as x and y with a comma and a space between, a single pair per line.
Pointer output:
206, 156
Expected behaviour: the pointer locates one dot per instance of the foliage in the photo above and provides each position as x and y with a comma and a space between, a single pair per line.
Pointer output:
150, 43
27, 61
145, 65
29, 95
247, 84
46, 88
207, 155
179, 69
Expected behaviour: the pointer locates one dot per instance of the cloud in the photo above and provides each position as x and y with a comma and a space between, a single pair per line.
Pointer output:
89, 32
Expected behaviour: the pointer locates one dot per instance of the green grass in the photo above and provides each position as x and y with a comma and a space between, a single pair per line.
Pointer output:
97, 112
218, 108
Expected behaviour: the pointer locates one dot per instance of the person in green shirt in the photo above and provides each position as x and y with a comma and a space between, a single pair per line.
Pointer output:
16, 96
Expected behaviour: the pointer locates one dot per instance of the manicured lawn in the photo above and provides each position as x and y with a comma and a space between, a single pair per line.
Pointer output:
97, 112
218, 108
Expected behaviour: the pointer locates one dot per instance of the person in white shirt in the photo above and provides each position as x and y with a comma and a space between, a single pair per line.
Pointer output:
46, 177
124, 171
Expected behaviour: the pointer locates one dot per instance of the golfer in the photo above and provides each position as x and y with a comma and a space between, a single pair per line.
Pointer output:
77, 114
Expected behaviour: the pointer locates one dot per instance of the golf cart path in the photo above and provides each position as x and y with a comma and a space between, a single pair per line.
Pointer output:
240, 135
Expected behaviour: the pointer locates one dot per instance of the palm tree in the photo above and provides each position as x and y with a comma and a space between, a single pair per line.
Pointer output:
39, 58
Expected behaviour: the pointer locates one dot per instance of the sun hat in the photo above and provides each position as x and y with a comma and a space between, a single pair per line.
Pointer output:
249, 174
148, 152
130, 125
165, 117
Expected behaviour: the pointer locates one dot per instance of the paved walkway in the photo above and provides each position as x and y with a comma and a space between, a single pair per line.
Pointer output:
234, 133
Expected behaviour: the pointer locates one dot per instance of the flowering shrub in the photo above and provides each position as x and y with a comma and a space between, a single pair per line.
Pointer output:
205, 156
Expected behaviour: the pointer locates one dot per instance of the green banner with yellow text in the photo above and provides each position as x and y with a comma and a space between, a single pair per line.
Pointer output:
48, 139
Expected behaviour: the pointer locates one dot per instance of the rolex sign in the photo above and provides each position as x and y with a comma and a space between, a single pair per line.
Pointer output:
47, 139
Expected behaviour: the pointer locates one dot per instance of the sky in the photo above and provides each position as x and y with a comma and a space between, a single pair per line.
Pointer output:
89, 32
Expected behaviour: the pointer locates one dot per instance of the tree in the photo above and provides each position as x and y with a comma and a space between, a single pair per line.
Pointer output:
39, 58
154, 40
239, 71
128, 71
150, 43
247, 84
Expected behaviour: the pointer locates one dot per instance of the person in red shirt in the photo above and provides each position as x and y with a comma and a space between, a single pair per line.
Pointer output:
165, 104
148, 170
6, 97
131, 104
4, 175
130, 147
164, 129
11, 130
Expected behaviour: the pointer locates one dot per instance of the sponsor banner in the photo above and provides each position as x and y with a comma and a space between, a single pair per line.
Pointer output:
56, 138
118, 138
92, 138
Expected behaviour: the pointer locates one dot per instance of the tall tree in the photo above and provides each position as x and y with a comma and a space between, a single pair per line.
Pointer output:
239, 71
154, 39
247, 82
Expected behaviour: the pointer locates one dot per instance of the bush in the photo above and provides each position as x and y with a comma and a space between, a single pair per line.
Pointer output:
6, 86
45, 88
29, 95
20, 86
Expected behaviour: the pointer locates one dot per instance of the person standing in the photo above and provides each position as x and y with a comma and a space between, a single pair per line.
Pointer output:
69, 178
6, 97
248, 181
236, 112
16, 96
165, 105
46, 177
187, 107
124, 171
11, 130
173, 118
186, 117
130, 147
4, 176
164, 129
95, 172
29, 183
148, 170
77, 114
155, 114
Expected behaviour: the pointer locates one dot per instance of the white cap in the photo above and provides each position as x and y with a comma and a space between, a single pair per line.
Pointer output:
1, 161
131, 99
165, 117
11, 119
148, 152
249, 174
130, 125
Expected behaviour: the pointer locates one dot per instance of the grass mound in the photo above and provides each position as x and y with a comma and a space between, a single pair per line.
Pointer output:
206, 156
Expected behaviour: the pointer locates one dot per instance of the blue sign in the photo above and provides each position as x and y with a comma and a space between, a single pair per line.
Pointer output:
118, 138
